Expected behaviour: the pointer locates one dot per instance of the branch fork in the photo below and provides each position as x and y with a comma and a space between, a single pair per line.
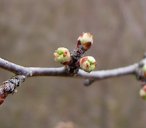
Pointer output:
72, 60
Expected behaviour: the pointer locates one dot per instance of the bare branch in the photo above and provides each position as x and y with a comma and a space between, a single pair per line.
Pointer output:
38, 71
61, 71
31, 71
9, 86
104, 74
12, 67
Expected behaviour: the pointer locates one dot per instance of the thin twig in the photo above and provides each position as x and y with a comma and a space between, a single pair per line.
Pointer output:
9, 86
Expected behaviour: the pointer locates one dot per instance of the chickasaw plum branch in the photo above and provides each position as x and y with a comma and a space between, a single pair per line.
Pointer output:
75, 65
22, 73
61, 71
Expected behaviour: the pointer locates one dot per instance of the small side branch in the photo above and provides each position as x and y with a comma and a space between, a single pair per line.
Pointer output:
9, 86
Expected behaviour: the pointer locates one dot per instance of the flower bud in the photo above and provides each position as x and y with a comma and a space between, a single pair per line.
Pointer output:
142, 92
62, 55
87, 63
85, 40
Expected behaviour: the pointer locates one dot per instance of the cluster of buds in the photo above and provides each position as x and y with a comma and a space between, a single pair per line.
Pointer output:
87, 63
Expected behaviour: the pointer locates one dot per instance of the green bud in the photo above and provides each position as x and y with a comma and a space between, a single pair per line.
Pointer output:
62, 55
87, 63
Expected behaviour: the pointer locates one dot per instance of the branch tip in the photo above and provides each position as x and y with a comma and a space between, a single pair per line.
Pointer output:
9, 86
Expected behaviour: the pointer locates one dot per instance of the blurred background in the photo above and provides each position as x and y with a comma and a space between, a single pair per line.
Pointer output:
30, 31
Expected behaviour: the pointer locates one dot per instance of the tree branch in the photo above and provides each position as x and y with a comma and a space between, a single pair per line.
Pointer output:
75, 65
21, 72
9, 86
61, 71
12, 67
104, 74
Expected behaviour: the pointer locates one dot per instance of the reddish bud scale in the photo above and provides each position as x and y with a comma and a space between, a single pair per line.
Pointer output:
145, 74
1, 101
65, 53
83, 59
78, 44
3, 97
85, 46
85, 41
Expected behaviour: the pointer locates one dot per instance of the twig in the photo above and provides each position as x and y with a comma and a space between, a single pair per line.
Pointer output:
9, 86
